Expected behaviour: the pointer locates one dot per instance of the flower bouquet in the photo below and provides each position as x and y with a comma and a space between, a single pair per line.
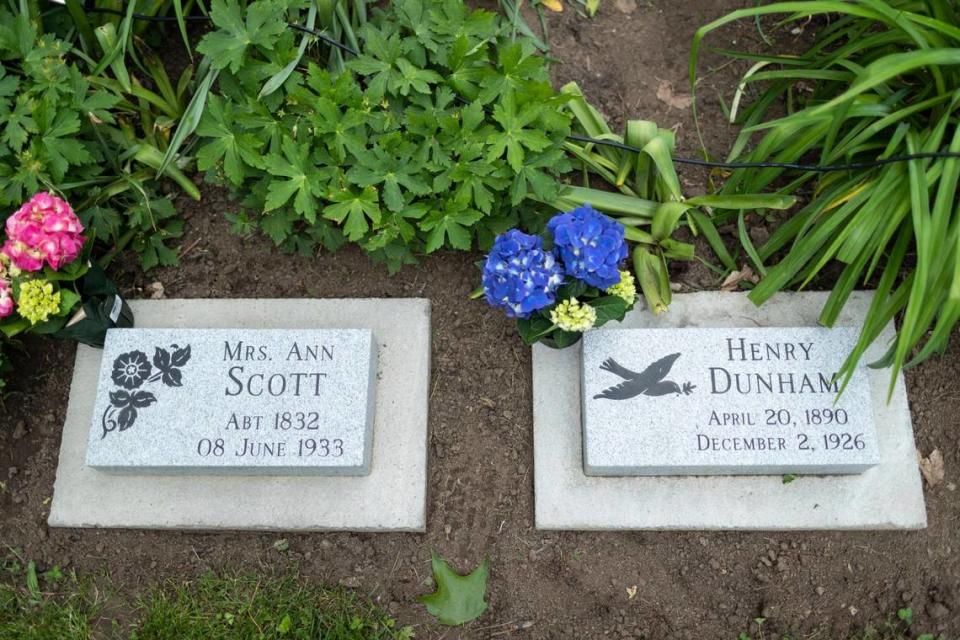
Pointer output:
42, 277
564, 283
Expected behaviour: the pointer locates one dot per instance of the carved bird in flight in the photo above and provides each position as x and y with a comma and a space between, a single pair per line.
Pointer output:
649, 382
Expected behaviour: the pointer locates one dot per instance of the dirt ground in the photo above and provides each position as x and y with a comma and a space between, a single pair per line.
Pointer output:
554, 585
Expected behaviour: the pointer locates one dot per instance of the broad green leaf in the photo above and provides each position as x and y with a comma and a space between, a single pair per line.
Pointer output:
457, 599
608, 308
653, 278
240, 28
355, 211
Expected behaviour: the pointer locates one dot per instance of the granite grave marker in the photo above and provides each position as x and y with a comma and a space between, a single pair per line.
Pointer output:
734, 401
237, 401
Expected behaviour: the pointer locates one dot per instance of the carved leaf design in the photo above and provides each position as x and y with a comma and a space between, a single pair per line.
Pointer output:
180, 357
142, 399
128, 402
168, 364
126, 417
161, 359
173, 378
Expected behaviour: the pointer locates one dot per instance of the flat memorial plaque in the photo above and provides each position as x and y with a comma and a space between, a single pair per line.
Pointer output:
235, 401
731, 401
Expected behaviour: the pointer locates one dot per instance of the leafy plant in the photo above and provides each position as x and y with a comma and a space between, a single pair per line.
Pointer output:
44, 278
648, 201
430, 138
880, 81
457, 599
88, 136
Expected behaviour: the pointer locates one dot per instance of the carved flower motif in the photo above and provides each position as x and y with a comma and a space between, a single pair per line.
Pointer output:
131, 369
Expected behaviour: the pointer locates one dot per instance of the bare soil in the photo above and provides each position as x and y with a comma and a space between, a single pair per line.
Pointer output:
543, 584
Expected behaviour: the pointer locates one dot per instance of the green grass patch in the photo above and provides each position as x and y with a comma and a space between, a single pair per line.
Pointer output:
213, 607
897, 627
27, 613
881, 80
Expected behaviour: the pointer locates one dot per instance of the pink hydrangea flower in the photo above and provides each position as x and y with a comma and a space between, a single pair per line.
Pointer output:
6, 299
44, 229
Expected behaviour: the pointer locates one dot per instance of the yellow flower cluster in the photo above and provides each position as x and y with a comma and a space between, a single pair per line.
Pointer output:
38, 301
625, 289
570, 315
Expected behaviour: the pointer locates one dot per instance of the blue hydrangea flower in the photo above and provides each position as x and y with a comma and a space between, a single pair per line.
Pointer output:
519, 276
590, 245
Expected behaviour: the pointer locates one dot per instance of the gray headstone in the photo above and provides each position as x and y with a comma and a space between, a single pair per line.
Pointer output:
724, 401
235, 401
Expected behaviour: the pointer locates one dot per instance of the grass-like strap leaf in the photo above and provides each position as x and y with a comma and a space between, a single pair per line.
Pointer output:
281, 76
190, 119
743, 201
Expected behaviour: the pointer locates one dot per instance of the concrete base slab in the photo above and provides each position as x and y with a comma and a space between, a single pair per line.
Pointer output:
888, 496
391, 498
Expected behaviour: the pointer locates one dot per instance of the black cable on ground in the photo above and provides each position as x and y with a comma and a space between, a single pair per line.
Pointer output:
324, 37
145, 18
822, 168
167, 19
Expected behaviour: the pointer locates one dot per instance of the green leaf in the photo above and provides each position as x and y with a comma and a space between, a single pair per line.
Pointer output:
190, 119
654, 280
743, 201
450, 225
234, 150
534, 328
277, 80
33, 585
353, 210
516, 134
562, 339
68, 300
411, 77
457, 599
517, 68
305, 181
609, 308
19, 123
238, 30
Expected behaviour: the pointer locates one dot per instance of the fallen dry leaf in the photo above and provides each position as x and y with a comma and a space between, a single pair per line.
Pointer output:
553, 5
676, 100
732, 281
932, 467
156, 290
631, 592
625, 6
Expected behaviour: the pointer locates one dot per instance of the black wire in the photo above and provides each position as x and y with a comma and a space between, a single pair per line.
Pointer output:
167, 19
324, 37
822, 168
146, 18
853, 166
